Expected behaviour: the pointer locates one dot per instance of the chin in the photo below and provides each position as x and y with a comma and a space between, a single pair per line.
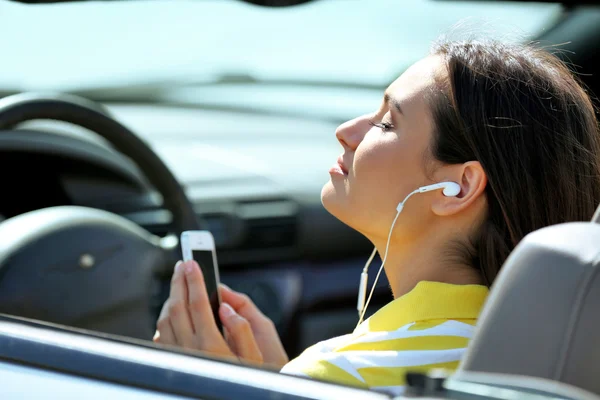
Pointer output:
334, 202
328, 195
337, 204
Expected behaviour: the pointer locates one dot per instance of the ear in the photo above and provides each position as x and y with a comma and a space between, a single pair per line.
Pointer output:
472, 180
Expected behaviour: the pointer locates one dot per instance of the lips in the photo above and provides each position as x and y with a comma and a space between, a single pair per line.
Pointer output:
340, 162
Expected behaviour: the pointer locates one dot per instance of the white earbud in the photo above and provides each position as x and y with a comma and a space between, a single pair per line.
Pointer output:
451, 189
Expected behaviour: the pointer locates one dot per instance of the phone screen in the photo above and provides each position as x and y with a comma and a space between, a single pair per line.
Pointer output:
204, 258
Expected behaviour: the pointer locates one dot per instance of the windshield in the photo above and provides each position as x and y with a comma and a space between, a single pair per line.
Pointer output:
114, 44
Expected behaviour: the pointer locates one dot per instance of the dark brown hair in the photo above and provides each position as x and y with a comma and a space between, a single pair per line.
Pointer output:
524, 116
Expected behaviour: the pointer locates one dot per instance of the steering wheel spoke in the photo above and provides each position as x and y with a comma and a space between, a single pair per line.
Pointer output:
84, 267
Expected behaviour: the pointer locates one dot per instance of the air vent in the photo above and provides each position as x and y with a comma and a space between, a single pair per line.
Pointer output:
268, 224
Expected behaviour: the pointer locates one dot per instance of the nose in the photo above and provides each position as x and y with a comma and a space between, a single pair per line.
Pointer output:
352, 132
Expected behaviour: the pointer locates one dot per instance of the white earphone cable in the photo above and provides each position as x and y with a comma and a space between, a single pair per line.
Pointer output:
366, 268
387, 246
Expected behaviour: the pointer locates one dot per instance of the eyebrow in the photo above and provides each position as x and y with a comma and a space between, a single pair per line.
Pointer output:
389, 99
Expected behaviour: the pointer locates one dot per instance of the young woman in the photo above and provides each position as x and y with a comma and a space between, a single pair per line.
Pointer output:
516, 133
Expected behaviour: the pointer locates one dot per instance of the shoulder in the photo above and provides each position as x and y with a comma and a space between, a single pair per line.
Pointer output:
379, 360
417, 346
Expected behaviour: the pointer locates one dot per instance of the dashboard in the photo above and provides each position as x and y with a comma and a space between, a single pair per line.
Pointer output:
257, 191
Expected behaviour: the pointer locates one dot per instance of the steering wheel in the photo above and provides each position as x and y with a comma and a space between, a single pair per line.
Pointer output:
104, 277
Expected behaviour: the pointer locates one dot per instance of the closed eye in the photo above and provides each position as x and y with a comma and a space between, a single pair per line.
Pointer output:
384, 126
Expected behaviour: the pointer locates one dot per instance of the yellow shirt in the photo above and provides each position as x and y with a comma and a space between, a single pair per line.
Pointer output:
425, 329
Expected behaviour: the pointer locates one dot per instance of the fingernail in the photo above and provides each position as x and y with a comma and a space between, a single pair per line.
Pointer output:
178, 265
188, 268
227, 310
225, 286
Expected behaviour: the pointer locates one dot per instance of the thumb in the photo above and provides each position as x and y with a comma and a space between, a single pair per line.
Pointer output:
240, 334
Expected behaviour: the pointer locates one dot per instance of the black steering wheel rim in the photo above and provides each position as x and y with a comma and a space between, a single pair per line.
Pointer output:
24, 107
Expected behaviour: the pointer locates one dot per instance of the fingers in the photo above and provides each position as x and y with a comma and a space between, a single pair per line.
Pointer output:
229, 340
174, 325
201, 313
263, 329
179, 316
241, 335
245, 307
164, 331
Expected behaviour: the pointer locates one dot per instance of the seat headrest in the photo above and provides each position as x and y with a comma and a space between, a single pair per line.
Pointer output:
542, 317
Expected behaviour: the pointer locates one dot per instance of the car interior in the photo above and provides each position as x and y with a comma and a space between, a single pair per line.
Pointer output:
124, 123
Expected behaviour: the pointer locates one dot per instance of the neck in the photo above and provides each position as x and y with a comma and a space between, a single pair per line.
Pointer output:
424, 260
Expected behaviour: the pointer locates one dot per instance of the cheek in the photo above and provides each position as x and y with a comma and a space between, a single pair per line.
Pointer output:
373, 186
385, 172
359, 199
377, 168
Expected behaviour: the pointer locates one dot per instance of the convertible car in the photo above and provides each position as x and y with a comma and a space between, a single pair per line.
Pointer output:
124, 123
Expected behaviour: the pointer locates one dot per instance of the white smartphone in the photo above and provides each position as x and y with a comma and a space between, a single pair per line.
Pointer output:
200, 247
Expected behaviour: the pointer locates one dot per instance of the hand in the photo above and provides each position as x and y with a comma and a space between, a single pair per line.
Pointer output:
263, 329
186, 320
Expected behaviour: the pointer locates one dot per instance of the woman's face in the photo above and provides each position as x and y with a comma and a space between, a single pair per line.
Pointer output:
384, 157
